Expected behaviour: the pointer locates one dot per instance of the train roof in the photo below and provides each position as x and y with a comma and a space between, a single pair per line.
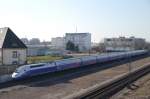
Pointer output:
66, 59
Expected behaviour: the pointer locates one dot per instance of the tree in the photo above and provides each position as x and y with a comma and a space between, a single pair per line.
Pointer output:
102, 47
71, 46
76, 48
99, 48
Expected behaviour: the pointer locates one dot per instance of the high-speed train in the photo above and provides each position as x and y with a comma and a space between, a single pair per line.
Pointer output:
59, 65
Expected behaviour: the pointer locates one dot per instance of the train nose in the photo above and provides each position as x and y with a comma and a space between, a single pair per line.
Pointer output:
14, 75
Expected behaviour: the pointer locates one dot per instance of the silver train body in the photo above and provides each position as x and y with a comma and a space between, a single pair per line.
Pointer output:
59, 65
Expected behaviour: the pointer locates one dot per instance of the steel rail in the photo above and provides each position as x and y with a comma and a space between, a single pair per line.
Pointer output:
108, 89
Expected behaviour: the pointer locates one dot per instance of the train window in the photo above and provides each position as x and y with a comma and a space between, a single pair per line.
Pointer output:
34, 66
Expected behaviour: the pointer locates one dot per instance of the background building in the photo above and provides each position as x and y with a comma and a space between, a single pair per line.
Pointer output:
36, 47
58, 43
25, 41
12, 49
82, 40
37, 50
124, 44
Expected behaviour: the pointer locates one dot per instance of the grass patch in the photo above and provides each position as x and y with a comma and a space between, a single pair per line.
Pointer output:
38, 59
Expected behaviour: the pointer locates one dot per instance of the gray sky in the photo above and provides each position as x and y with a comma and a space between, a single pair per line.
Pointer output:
45, 19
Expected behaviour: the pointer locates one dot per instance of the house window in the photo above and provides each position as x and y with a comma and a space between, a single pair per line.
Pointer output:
14, 54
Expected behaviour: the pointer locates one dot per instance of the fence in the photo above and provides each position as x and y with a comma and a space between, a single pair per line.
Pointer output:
7, 69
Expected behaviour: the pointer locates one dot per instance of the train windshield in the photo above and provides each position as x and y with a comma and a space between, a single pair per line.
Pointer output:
16, 71
19, 69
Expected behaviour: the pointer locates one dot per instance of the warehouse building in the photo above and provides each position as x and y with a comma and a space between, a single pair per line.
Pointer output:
12, 49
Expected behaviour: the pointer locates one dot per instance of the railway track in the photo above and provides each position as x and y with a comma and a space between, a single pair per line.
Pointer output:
109, 88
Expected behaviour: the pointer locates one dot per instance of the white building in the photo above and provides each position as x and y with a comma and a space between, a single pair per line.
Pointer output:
82, 40
12, 49
37, 50
34, 41
25, 40
58, 43
124, 44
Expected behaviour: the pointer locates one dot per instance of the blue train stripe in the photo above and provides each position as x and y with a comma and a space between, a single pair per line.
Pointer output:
41, 71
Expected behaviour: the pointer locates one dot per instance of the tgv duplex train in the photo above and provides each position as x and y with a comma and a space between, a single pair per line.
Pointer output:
59, 65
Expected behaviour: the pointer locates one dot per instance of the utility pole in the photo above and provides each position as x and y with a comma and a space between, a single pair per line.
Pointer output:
129, 63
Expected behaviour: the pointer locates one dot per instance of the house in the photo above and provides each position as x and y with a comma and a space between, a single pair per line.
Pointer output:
12, 49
